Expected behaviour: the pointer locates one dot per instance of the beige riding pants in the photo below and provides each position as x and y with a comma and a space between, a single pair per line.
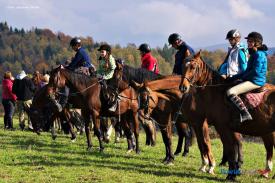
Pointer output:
242, 88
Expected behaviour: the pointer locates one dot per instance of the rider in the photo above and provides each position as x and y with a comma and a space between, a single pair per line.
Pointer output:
253, 77
235, 61
148, 61
184, 51
81, 60
80, 63
107, 65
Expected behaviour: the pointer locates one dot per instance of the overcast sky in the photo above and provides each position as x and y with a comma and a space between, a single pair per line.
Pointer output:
200, 22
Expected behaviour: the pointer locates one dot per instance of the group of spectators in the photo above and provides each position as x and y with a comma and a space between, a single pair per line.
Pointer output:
18, 93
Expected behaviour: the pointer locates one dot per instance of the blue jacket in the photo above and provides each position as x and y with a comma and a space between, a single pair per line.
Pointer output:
242, 61
256, 69
180, 56
81, 59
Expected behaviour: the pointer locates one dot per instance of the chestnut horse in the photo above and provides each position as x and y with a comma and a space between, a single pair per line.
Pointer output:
88, 92
211, 88
126, 76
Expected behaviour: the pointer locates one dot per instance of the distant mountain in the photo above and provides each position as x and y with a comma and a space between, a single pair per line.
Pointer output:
224, 47
214, 47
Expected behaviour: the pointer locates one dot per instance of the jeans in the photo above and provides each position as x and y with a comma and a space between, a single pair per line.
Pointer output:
9, 107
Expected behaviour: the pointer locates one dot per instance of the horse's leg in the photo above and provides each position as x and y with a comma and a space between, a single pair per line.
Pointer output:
180, 131
238, 139
166, 131
97, 131
232, 152
208, 148
269, 144
188, 139
128, 133
204, 157
86, 118
136, 130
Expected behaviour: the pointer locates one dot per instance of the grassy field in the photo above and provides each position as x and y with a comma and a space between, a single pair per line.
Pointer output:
27, 157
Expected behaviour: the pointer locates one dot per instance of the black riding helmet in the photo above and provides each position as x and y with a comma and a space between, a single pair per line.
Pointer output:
105, 47
75, 41
256, 37
173, 37
144, 48
233, 34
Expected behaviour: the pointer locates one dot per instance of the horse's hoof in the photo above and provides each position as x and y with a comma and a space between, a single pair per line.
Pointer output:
129, 151
264, 173
185, 153
222, 163
231, 178
177, 152
137, 151
170, 162
203, 169
153, 144
89, 148
101, 150
211, 171
54, 137
73, 139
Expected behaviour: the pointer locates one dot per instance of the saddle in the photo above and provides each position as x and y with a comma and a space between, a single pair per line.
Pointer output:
255, 97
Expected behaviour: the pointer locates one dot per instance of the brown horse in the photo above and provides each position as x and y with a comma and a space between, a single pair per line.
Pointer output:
90, 99
161, 113
163, 85
211, 88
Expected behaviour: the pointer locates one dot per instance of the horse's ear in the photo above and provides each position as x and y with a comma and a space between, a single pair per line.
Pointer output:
198, 54
136, 85
61, 67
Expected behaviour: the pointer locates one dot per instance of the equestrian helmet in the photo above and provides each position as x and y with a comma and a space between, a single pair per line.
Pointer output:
173, 37
105, 47
75, 41
255, 36
233, 34
144, 48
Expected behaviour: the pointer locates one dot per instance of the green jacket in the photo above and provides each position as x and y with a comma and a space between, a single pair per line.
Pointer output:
107, 73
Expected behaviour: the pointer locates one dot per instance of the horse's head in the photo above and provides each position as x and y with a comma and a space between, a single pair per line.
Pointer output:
191, 73
117, 79
148, 99
57, 78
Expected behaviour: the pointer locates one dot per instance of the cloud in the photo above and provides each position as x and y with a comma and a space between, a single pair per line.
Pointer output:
242, 9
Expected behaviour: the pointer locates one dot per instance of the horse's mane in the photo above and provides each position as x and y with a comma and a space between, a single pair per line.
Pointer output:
138, 75
209, 75
79, 78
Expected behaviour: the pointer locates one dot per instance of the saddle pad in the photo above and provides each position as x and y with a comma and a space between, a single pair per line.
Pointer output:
252, 100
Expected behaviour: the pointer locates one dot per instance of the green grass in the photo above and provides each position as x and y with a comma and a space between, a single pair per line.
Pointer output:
27, 157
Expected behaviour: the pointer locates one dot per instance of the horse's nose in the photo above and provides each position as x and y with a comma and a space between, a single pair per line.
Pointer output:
182, 88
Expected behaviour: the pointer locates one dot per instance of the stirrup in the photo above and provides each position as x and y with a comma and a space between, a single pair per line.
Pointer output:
245, 117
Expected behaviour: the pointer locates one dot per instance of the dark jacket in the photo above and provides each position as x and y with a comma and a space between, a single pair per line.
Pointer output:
81, 59
23, 88
180, 56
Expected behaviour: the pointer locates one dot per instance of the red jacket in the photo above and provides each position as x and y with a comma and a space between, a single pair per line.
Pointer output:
7, 90
149, 63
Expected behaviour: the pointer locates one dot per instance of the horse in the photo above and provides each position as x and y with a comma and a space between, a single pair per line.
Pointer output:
126, 76
92, 101
210, 85
42, 117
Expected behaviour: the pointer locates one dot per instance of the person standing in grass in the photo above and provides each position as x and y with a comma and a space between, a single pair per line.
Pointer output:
8, 100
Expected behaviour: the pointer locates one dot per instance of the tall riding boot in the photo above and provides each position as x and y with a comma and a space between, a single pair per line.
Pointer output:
244, 113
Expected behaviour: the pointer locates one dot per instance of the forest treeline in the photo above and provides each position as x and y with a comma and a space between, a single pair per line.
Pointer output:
42, 49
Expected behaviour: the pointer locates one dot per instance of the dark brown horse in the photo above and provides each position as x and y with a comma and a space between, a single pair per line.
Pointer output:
42, 117
90, 99
211, 88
